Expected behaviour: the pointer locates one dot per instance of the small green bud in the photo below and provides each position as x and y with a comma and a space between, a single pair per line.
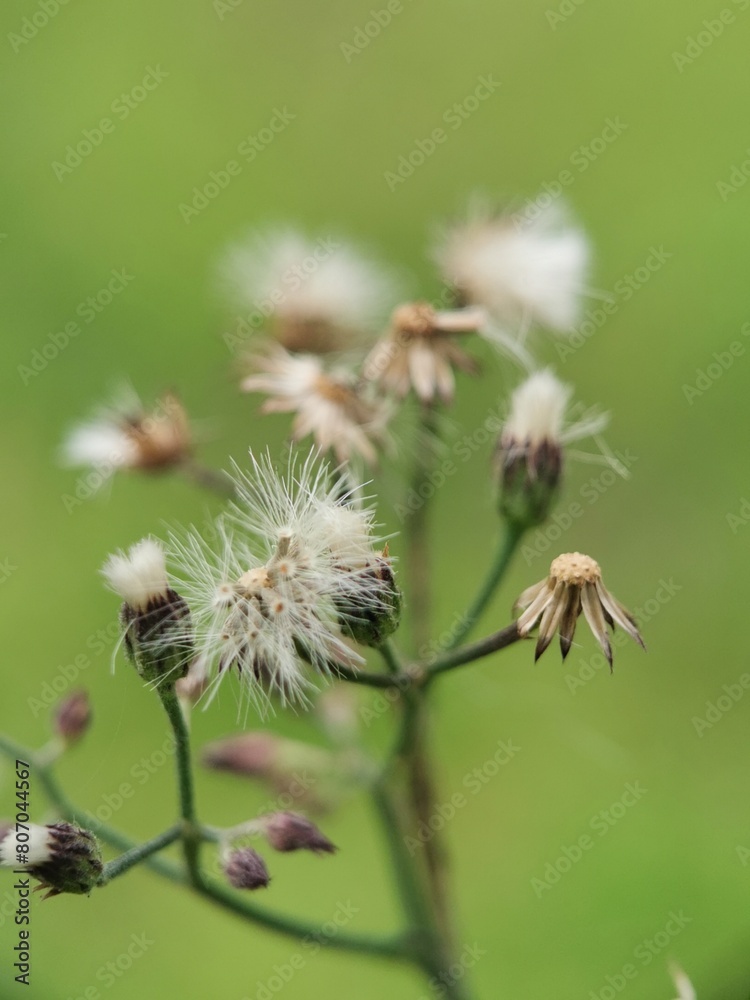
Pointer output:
370, 610
528, 480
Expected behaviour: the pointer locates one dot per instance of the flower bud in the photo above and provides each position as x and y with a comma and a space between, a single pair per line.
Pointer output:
288, 831
305, 774
63, 857
246, 869
155, 619
529, 452
370, 609
73, 717
253, 755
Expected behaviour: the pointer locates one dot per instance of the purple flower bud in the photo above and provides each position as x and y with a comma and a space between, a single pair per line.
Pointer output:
246, 869
288, 831
73, 717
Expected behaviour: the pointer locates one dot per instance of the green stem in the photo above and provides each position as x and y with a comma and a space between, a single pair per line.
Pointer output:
139, 853
191, 836
423, 876
417, 533
367, 679
408, 884
504, 554
390, 657
467, 654
391, 947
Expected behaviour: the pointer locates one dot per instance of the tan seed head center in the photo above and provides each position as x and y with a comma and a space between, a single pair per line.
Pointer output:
414, 319
575, 569
333, 391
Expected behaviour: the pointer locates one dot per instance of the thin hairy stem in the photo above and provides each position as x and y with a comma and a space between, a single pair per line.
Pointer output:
475, 651
139, 853
191, 836
503, 556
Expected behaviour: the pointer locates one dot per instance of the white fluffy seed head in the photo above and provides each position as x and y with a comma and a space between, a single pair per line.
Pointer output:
306, 281
269, 581
39, 844
524, 272
139, 576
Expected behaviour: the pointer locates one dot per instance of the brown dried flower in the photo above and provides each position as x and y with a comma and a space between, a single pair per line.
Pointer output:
574, 584
419, 351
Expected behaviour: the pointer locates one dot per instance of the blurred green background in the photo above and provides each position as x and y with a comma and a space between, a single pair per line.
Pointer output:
684, 846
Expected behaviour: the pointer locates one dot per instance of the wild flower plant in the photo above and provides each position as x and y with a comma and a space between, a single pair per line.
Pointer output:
294, 594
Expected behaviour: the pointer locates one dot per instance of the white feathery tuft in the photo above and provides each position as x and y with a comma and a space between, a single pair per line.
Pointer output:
540, 411
39, 843
537, 409
530, 272
100, 444
138, 576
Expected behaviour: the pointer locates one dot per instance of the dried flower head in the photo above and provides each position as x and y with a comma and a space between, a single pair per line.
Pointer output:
63, 857
529, 452
524, 273
266, 591
246, 869
288, 831
155, 619
73, 717
123, 435
342, 417
419, 352
574, 584
314, 296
